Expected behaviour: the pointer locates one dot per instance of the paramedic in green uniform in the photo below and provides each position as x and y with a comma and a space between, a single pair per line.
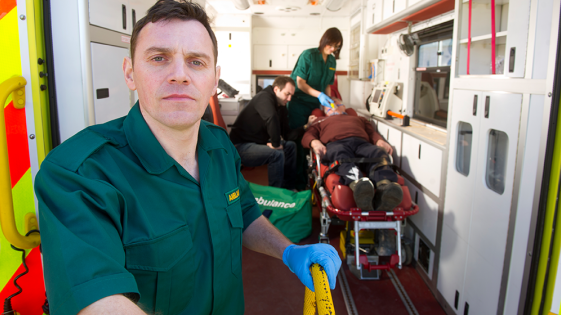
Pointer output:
148, 213
313, 73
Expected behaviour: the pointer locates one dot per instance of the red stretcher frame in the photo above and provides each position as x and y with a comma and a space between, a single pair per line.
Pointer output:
361, 219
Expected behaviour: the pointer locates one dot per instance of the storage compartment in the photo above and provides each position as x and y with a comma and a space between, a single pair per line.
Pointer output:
270, 57
424, 256
423, 162
111, 93
511, 37
478, 198
427, 218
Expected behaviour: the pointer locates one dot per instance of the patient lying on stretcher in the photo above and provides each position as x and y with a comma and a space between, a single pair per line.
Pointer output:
341, 136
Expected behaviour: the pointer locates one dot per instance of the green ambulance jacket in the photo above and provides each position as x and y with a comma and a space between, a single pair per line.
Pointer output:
318, 75
119, 216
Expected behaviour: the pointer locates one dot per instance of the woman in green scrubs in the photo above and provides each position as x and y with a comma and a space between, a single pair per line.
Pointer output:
314, 73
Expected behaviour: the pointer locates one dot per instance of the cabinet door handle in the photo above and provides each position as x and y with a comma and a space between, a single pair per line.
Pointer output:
475, 105
456, 300
511, 59
230, 36
133, 18
270, 63
388, 136
417, 198
124, 7
419, 151
466, 309
487, 104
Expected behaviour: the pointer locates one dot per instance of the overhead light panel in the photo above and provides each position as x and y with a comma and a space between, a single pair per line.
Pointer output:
334, 5
287, 9
241, 4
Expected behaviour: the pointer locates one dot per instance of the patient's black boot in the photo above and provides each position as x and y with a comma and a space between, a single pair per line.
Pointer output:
388, 195
363, 192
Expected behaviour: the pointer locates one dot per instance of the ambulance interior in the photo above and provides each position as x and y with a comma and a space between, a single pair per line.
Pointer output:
465, 91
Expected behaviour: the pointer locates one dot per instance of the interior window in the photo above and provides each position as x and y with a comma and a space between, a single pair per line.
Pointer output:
463, 148
496, 161
432, 76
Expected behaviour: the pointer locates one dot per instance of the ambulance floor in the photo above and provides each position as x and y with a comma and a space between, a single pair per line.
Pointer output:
271, 288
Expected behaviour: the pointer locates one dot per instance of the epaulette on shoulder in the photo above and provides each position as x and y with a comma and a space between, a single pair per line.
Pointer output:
74, 151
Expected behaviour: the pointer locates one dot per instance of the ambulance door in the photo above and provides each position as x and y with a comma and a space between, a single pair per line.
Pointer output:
24, 142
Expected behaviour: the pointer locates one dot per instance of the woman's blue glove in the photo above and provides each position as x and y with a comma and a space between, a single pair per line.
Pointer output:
325, 100
300, 258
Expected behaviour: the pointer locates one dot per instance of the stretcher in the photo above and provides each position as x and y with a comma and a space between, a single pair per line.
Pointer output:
337, 201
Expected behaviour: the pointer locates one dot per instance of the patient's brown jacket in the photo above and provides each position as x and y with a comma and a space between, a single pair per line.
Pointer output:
337, 127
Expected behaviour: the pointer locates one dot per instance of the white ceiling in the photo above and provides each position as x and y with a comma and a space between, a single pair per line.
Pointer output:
271, 8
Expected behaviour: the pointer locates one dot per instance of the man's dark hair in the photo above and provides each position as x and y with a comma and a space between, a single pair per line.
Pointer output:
281, 81
331, 37
168, 10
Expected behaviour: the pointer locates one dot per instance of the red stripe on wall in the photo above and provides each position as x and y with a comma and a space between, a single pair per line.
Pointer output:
16, 134
30, 301
421, 15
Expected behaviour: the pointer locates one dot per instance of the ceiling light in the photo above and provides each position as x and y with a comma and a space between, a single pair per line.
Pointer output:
287, 9
241, 4
334, 5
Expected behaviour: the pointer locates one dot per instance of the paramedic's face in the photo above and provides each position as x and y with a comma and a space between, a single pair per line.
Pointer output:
329, 49
174, 73
285, 95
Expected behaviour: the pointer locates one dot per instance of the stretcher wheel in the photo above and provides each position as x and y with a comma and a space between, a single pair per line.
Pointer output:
406, 254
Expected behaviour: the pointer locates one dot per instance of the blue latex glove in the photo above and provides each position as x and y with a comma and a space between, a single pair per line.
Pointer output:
299, 259
325, 100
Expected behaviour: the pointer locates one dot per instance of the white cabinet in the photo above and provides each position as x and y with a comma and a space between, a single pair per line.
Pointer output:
110, 14
373, 12
392, 7
481, 165
427, 218
511, 38
119, 16
270, 57
294, 53
138, 9
453, 258
111, 94
277, 57
423, 162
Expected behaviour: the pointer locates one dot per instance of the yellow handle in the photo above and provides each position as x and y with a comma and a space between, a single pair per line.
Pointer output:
322, 297
333, 105
15, 85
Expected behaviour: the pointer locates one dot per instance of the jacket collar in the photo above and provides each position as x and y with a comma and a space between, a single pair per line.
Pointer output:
147, 148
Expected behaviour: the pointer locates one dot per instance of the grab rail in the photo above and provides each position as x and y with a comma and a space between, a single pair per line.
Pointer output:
16, 87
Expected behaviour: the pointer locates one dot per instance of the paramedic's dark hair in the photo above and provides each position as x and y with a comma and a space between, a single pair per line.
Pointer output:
281, 82
168, 10
331, 37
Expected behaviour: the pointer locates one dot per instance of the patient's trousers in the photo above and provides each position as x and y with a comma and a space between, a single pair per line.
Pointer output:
355, 147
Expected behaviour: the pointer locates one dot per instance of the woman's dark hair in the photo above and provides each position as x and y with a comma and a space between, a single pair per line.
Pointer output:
168, 10
331, 37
